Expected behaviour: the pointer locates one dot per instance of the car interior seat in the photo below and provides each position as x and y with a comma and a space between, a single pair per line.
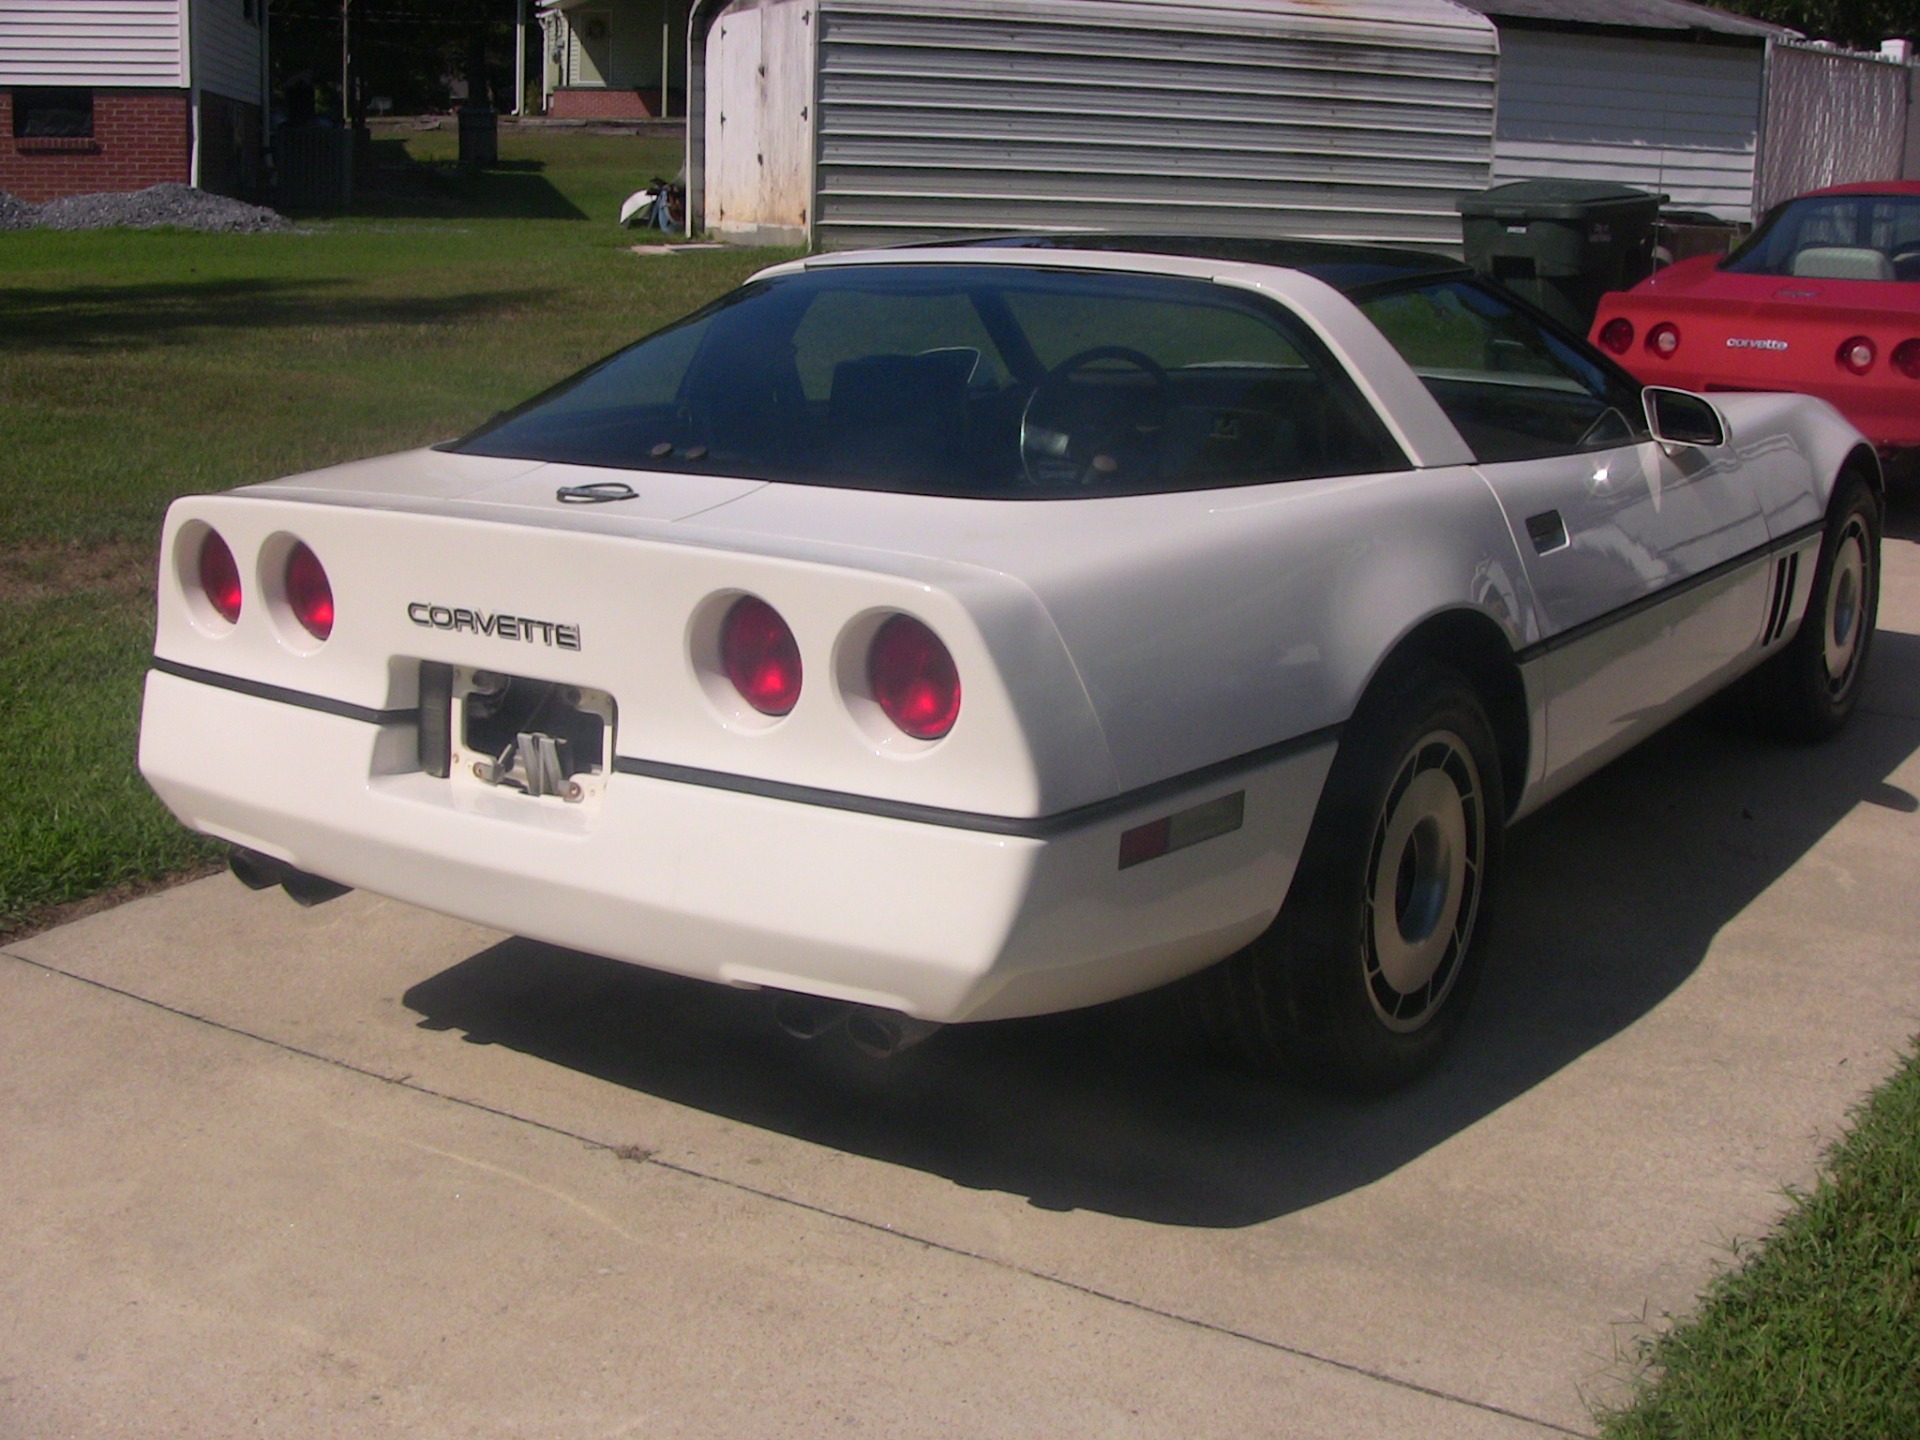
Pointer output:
899, 412
1842, 262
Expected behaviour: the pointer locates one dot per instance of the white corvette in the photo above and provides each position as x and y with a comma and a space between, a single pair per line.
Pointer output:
962, 632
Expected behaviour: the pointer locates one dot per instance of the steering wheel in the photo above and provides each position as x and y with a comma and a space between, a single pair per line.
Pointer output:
1906, 262
1076, 433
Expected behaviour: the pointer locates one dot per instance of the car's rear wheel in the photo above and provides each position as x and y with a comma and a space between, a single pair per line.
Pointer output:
1363, 978
1808, 690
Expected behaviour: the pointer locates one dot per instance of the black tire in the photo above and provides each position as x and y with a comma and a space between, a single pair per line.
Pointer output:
1364, 977
1808, 689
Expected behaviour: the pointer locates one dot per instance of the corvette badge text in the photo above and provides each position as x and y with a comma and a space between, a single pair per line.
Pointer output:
504, 627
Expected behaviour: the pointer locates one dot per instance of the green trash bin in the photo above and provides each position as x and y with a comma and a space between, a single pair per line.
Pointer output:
1561, 244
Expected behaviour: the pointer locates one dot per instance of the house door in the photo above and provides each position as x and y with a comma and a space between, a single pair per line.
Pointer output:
592, 46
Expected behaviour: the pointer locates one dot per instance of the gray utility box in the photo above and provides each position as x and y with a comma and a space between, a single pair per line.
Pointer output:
1561, 244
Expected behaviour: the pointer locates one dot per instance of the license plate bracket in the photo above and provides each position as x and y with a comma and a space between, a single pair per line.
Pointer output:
545, 739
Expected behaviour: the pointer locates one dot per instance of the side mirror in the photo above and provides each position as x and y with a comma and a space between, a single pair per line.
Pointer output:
1681, 418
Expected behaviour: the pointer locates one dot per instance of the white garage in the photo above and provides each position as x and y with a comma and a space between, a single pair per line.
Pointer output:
849, 122
1721, 113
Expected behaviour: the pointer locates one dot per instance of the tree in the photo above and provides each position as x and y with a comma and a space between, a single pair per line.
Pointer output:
408, 51
1861, 24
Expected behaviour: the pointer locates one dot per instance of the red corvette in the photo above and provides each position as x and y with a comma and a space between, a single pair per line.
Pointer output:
1823, 298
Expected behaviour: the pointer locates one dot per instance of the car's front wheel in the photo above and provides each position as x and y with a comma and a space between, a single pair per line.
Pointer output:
1363, 978
1809, 689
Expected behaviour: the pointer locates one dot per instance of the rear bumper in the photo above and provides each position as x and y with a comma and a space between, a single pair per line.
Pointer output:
940, 921
1760, 347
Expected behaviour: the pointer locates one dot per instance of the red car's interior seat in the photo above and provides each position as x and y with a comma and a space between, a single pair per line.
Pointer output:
1842, 262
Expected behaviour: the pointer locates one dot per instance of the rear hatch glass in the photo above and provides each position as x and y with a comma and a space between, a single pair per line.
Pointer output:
966, 380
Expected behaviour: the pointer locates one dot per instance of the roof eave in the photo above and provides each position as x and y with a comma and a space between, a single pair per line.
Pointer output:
1642, 32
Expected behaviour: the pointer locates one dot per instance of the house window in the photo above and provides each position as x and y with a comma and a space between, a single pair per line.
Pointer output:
46, 113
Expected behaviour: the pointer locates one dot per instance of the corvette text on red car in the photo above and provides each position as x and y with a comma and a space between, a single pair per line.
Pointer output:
1823, 299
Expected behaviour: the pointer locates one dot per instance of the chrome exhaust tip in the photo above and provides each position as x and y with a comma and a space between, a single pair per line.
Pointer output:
808, 1017
262, 872
885, 1033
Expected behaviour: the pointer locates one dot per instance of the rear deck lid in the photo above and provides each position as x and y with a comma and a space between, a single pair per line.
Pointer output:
524, 491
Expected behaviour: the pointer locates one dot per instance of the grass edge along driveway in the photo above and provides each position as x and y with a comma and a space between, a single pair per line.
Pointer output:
1815, 1332
142, 365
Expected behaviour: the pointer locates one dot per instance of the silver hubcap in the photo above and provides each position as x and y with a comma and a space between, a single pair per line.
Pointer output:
1423, 891
1846, 596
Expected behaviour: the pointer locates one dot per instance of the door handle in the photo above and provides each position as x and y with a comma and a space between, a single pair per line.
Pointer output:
1547, 531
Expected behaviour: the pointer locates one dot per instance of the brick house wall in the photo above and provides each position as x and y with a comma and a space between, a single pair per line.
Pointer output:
604, 103
140, 138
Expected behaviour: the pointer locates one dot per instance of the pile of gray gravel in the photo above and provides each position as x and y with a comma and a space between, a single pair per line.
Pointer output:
180, 205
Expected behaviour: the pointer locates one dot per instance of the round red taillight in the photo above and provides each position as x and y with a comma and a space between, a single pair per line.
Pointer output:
1856, 354
913, 678
219, 577
1617, 335
1906, 358
1664, 340
760, 657
309, 593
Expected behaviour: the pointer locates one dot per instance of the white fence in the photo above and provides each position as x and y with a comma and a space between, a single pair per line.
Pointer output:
1832, 116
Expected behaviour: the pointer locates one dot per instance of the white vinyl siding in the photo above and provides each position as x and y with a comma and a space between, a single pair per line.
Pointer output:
589, 58
92, 42
226, 50
1667, 116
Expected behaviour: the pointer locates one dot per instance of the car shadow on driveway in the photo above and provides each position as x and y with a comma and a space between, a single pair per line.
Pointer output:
1612, 896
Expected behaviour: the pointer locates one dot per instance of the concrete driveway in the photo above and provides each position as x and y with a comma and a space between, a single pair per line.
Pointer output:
363, 1170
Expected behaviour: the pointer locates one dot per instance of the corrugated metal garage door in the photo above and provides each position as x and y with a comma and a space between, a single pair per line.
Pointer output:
1355, 119
1663, 115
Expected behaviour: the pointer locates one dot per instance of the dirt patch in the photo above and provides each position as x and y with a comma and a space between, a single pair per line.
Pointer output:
40, 572
55, 915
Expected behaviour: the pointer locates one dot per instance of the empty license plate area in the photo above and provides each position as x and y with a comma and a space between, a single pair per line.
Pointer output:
539, 738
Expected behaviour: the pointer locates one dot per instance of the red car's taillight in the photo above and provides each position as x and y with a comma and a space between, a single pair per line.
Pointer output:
1664, 340
913, 678
309, 593
760, 656
1617, 335
219, 577
1906, 358
1856, 354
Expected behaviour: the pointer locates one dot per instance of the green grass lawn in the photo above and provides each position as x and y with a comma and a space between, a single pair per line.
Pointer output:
141, 365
